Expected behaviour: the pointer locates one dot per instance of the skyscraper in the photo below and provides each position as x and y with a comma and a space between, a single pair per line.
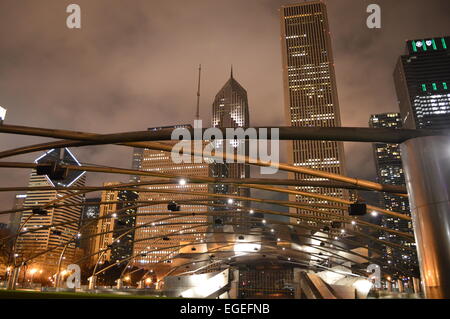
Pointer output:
31, 243
230, 109
88, 225
310, 93
422, 81
390, 171
136, 163
15, 218
146, 237
121, 221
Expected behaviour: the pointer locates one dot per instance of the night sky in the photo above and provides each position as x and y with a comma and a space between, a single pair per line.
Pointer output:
133, 65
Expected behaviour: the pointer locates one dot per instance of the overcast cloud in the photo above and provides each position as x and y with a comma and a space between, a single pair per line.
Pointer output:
133, 65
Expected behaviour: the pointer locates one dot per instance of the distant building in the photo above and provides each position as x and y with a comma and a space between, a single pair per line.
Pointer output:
15, 218
422, 81
148, 237
88, 225
230, 109
390, 171
54, 238
115, 220
310, 94
136, 164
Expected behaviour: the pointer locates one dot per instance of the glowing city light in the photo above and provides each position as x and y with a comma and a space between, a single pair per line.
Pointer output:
2, 114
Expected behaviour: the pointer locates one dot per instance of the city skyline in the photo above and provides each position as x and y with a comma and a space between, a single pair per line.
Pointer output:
366, 49
310, 93
352, 210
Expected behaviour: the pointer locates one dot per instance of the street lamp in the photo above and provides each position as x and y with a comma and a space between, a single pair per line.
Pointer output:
32, 272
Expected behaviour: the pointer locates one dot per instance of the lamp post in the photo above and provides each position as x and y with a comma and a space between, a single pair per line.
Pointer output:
32, 272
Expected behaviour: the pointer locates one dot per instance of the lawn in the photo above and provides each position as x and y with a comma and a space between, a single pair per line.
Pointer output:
23, 294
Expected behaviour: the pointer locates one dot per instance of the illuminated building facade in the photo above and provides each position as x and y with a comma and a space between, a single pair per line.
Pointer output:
310, 93
2, 114
136, 163
15, 218
88, 225
390, 171
422, 81
116, 218
38, 241
230, 109
157, 252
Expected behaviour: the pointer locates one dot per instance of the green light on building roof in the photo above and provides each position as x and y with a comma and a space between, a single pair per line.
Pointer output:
424, 45
434, 86
424, 87
445, 85
444, 44
434, 44
414, 46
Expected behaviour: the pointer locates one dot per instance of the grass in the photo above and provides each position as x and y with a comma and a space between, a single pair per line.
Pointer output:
24, 294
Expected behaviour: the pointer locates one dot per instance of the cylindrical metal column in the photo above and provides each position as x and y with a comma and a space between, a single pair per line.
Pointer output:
119, 283
92, 282
389, 286
416, 285
426, 161
12, 279
400, 285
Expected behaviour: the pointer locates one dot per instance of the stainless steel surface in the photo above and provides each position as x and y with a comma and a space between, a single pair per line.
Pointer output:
426, 161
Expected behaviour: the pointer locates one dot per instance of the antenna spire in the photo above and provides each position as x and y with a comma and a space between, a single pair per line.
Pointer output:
197, 115
232, 71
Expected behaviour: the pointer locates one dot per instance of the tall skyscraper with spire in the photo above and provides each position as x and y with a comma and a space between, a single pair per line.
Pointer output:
310, 91
230, 109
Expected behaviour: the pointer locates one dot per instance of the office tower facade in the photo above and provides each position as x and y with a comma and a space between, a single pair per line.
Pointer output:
56, 237
156, 253
136, 164
125, 221
390, 171
88, 225
117, 218
230, 110
422, 81
15, 218
310, 92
